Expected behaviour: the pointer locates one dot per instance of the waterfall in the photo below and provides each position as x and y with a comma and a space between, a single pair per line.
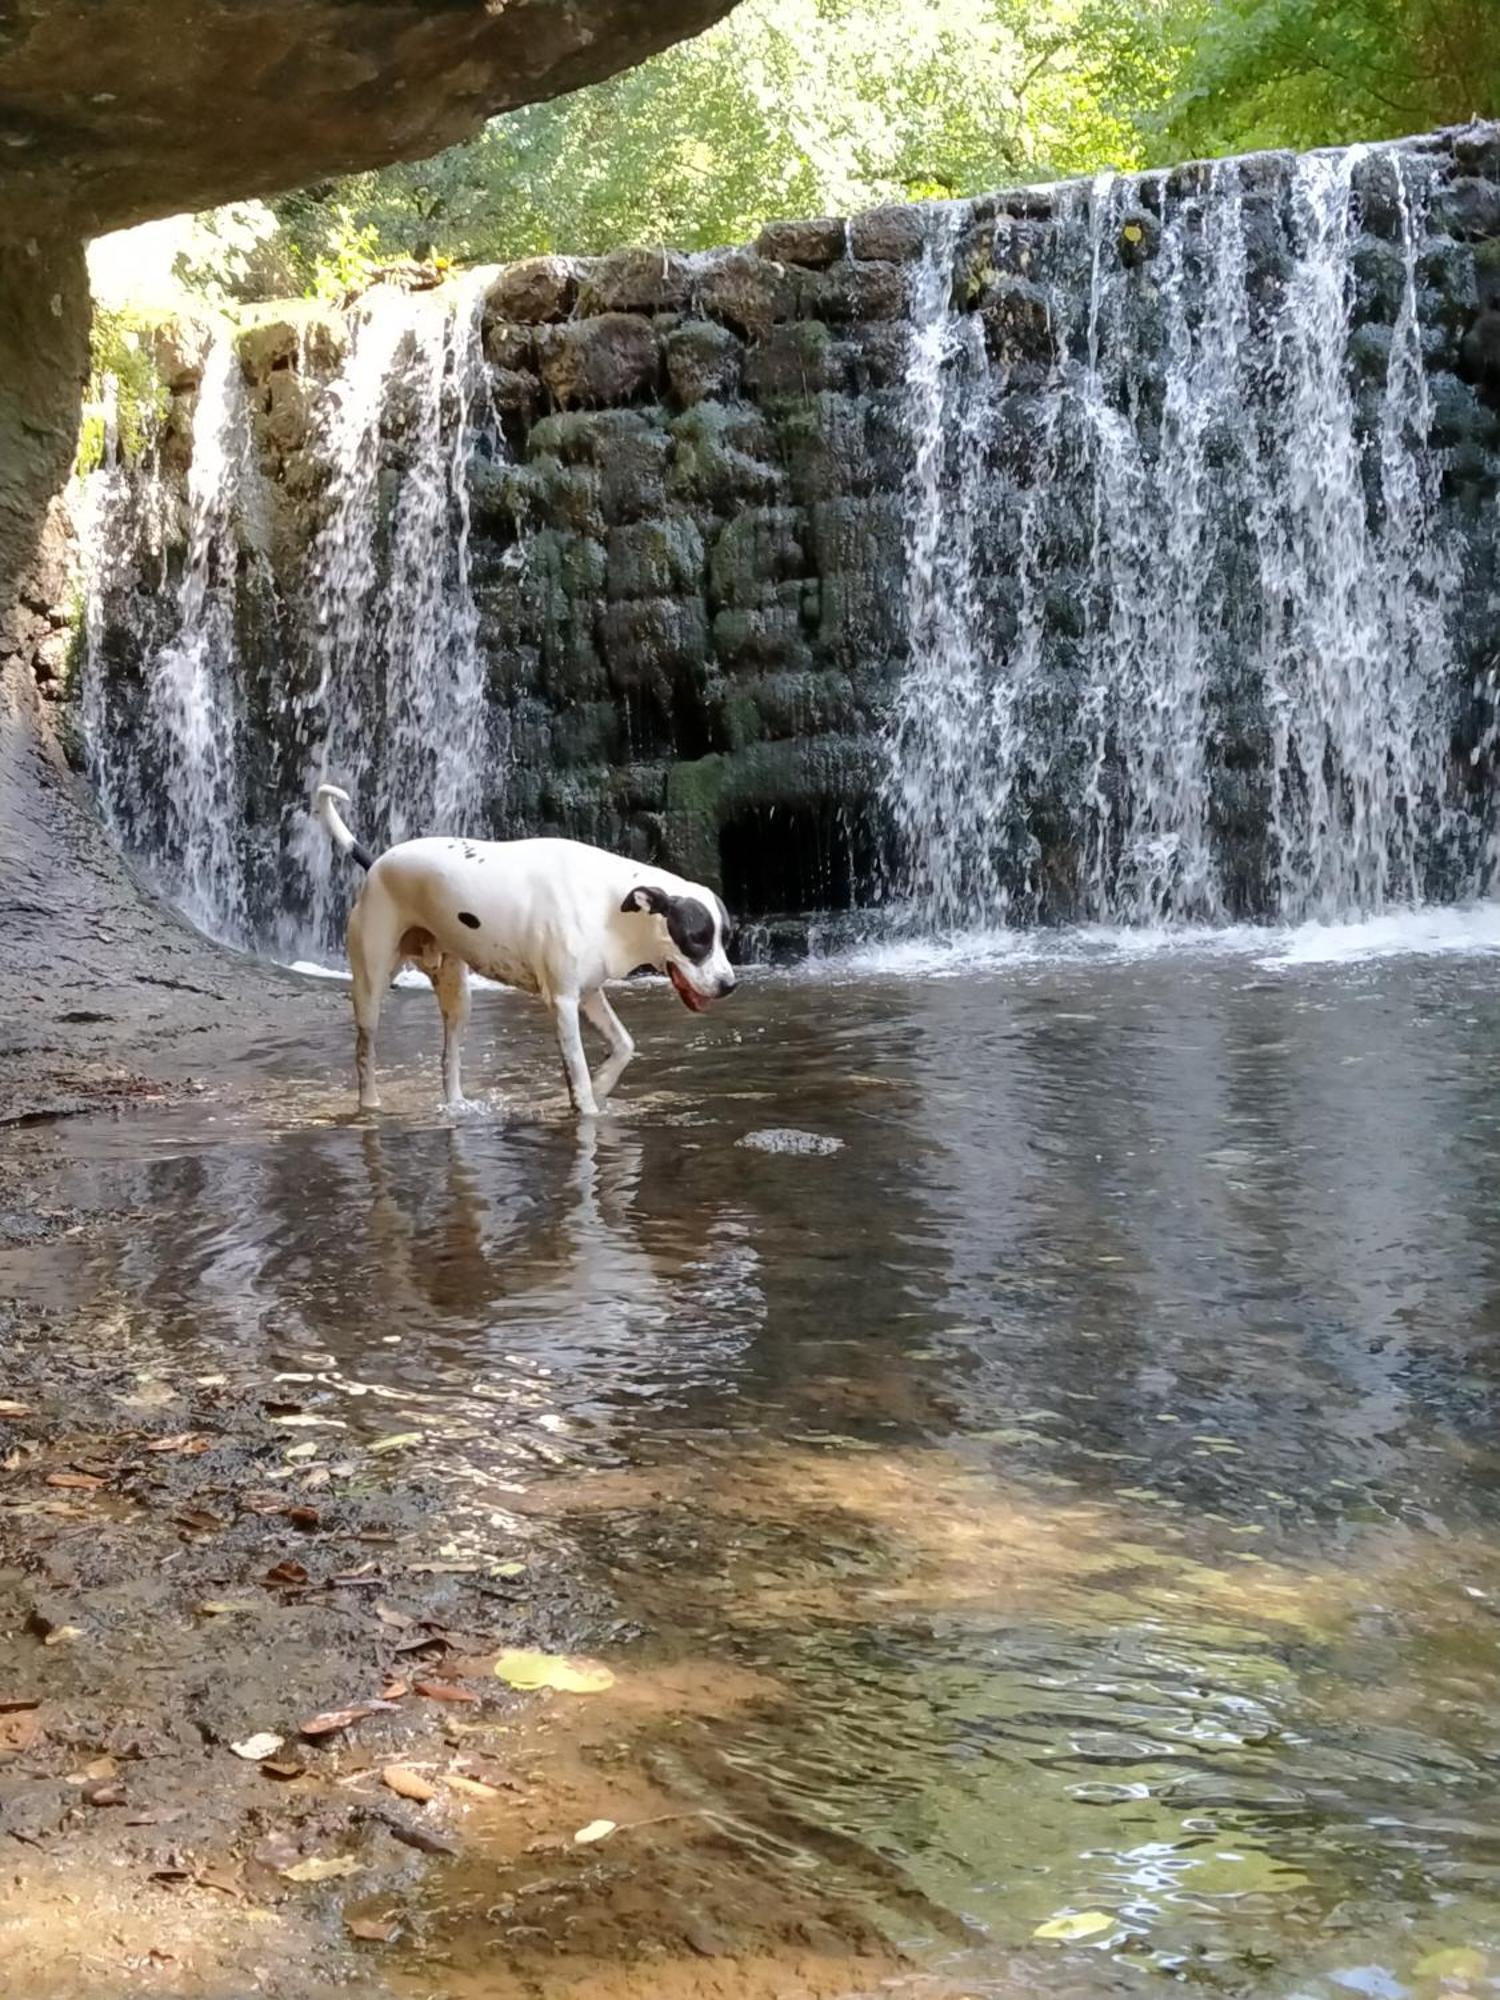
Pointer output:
1195, 626
170, 796
373, 676
397, 713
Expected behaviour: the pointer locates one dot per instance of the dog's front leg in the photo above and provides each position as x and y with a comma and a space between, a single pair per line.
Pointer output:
575, 1062
596, 1008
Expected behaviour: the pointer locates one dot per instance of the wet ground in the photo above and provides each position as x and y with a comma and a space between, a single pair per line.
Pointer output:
1020, 1434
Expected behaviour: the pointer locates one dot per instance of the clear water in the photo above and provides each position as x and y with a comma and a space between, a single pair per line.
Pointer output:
1086, 1467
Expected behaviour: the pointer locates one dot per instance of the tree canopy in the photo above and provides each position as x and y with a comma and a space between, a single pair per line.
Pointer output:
801, 107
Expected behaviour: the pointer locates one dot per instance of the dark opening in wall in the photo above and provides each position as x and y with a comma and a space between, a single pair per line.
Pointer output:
782, 859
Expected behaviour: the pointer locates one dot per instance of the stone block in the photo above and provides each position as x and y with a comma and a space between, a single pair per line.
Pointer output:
587, 733
754, 552
655, 559
287, 335
896, 234
649, 641
507, 345
1018, 322
632, 281
797, 359
550, 494
705, 362
760, 637
879, 354
846, 292
858, 549
516, 393
596, 362
633, 474
588, 437
535, 292
814, 243
1479, 355
747, 292
1468, 208
824, 449
722, 458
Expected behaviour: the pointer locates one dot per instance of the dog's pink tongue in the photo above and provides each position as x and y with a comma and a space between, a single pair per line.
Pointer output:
690, 999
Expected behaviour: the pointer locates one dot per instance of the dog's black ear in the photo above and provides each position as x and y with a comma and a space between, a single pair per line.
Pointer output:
645, 900
726, 922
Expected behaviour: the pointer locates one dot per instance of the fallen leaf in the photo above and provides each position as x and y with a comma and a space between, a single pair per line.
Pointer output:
226, 1880
472, 1788
397, 1441
222, 1607
303, 1517
287, 1572
597, 1829
104, 1792
310, 1423
520, 1668
374, 1930
255, 1749
407, 1784
13, 1704
341, 1718
198, 1522
188, 1443
425, 1839
301, 1451
443, 1691
8, 1408
1076, 1924
61, 1634
395, 1690
323, 1868
19, 1730
397, 1620
508, 1570
282, 1768
92, 1773
77, 1482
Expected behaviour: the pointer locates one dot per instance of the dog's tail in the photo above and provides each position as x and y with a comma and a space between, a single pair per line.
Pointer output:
343, 839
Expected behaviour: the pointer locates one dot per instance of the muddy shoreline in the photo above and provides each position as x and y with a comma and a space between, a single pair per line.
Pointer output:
190, 1562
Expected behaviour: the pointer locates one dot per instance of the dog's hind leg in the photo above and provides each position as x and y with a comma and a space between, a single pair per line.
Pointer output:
596, 1009
451, 984
374, 954
575, 1062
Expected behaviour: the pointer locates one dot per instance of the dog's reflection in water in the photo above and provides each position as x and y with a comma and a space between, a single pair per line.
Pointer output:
568, 1243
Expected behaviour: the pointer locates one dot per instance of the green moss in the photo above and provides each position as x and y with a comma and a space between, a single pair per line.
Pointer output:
120, 351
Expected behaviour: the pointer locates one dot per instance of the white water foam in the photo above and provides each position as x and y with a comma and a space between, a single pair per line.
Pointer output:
1469, 930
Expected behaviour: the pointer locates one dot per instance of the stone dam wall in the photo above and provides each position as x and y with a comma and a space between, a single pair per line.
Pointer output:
688, 494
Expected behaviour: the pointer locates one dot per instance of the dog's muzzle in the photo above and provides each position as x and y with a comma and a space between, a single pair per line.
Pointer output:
687, 993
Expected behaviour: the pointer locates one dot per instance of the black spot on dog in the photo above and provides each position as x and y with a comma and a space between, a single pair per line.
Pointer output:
691, 928
468, 917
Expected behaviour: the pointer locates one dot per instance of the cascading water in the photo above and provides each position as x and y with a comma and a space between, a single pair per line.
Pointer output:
379, 685
1202, 612
193, 697
397, 713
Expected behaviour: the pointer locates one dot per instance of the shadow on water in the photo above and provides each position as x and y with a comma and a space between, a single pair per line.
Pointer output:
1072, 1487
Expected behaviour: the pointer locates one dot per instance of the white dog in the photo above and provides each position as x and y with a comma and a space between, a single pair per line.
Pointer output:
552, 917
